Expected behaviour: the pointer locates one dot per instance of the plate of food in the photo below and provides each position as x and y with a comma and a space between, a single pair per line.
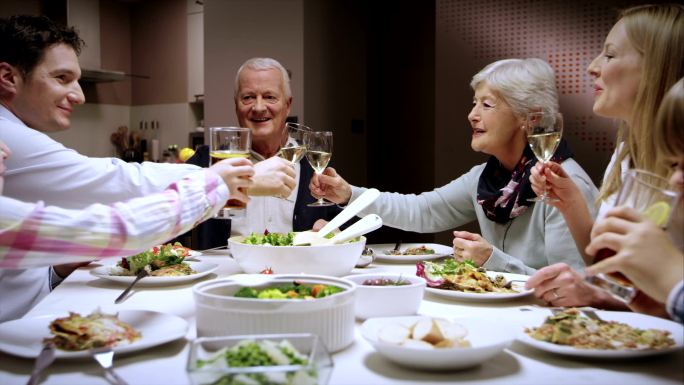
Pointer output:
410, 252
616, 335
465, 281
74, 334
165, 264
435, 343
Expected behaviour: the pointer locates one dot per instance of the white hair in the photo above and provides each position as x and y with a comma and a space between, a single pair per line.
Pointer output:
264, 63
527, 85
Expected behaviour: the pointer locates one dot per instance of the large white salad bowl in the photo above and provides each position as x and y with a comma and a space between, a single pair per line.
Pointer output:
335, 260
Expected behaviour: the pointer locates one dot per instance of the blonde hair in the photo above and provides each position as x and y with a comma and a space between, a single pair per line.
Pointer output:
669, 127
657, 33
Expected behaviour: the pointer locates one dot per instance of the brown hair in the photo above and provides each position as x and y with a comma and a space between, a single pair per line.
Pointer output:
669, 127
24, 39
657, 33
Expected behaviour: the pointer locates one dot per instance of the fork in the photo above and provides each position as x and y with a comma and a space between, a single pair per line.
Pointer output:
45, 358
587, 312
104, 356
141, 274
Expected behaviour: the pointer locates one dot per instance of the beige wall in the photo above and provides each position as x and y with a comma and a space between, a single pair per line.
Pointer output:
236, 30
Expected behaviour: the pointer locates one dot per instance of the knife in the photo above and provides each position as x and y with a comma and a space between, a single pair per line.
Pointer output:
45, 358
141, 274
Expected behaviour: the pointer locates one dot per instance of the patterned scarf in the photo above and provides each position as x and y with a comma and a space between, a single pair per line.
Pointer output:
504, 194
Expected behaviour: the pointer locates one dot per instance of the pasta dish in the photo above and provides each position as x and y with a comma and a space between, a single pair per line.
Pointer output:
570, 328
76, 332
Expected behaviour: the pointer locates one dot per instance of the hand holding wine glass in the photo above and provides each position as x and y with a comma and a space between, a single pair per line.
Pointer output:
544, 131
227, 143
646, 193
293, 149
318, 153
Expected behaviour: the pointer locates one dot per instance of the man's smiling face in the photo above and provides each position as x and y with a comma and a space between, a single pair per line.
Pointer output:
261, 104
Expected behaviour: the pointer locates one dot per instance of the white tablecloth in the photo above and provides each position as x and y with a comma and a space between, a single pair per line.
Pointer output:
358, 364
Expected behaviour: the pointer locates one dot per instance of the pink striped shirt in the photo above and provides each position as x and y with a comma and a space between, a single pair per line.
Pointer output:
32, 234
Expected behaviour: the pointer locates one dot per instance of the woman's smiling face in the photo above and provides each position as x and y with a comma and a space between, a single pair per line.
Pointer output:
617, 74
495, 127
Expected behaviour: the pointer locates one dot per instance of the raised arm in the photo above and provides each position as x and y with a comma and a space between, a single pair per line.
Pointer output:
34, 235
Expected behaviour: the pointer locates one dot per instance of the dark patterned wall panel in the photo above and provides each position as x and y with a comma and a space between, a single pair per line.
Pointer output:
567, 34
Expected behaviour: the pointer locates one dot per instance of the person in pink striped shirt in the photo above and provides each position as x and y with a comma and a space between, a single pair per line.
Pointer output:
33, 234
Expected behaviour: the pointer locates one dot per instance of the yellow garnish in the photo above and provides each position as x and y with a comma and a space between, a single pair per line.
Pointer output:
658, 212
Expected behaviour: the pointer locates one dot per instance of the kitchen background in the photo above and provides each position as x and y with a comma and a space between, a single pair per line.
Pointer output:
391, 80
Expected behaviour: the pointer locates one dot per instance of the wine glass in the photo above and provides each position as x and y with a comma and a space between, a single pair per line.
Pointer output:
318, 153
544, 131
225, 143
650, 195
294, 148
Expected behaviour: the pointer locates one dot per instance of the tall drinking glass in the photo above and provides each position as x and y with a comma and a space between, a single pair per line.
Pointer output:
318, 152
650, 195
544, 131
293, 149
225, 143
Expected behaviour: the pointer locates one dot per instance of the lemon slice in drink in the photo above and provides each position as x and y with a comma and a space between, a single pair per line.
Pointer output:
658, 212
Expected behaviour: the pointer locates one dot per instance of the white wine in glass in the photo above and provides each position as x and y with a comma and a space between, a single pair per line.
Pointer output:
318, 153
293, 149
226, 143
544, 131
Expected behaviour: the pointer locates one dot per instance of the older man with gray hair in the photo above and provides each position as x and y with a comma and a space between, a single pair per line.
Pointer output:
263, 98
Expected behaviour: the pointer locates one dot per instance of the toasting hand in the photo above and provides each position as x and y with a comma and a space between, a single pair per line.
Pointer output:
236, 173
331, 186
273, 177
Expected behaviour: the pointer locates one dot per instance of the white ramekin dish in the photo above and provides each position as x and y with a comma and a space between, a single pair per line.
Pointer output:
219, 313
334, 260
387, 301
487, 338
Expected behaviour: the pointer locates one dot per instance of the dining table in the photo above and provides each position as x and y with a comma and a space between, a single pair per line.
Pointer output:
358, 363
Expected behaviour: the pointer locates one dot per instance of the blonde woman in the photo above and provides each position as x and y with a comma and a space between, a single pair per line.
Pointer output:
644, 253
642, 58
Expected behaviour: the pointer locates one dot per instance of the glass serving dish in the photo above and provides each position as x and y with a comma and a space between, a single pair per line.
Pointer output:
208, 362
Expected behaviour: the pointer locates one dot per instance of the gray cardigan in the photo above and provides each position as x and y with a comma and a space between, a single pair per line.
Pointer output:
539, 237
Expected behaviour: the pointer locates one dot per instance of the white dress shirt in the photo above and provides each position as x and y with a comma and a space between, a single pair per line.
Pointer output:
41, 169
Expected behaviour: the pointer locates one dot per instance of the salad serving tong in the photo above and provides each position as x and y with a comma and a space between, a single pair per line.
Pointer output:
105, 357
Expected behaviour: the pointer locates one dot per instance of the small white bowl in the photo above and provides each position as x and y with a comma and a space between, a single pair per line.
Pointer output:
333, 260
387, 301
487, 338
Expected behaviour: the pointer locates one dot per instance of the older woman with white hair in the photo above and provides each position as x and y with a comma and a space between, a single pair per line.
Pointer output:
518, 235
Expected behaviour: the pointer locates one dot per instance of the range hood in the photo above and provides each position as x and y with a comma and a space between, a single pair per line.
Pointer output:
84, 15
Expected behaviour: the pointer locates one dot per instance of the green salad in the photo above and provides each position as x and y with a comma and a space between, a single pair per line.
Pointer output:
294, 290
279, 239
251, 353
163, 260
273, 239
